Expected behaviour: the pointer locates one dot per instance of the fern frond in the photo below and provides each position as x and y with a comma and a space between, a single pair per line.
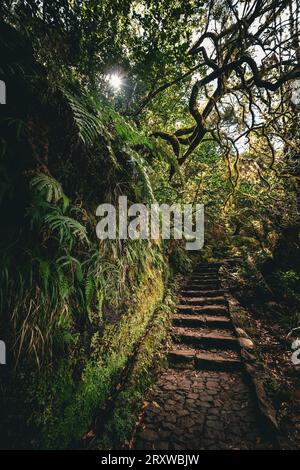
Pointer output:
63, 285
141, 169
89, 290
50, 188
66, 228
89, 125
126, 131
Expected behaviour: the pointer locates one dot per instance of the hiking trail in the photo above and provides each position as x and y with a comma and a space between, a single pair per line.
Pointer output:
202, 400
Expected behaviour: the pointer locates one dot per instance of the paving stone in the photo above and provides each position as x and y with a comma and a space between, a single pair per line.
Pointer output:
193, 396
182, 413
148, 435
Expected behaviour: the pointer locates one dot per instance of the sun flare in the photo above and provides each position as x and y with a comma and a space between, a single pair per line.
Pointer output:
115, 81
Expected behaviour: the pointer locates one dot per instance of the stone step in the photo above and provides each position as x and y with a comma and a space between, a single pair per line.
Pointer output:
200, 300
205, 339
204, 360
202, 309
182, 358
200, 280
200, 321
215, 264
201, 287
204, 276
206, 269
206, 273
210, 361
206, 292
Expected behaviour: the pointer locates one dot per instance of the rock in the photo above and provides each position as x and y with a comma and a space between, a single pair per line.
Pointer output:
148, 435
182, 413
246, 343
163, 445
241, 333
170, 419
170, 387
212, 384
193, 396
248, 356
186, 422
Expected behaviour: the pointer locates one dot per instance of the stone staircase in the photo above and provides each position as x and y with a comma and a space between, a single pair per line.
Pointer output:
203, 334
201, 401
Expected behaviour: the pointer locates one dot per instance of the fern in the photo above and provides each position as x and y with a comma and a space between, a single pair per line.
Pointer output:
44, 273
63, 285
67, 228
126, 132
106, 274
50, 188
44, 216
140, 168
100, 298
89, 290
89, 125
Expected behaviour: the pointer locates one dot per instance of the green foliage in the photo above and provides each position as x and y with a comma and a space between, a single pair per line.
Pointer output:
64, 417
89, 126
126, 131
149, 358
66, 228
50, 188
140, 169
289, 282
180, 261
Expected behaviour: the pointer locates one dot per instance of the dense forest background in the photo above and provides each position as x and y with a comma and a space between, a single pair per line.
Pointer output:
175, 102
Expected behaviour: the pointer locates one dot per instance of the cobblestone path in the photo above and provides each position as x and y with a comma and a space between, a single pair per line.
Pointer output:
201, 401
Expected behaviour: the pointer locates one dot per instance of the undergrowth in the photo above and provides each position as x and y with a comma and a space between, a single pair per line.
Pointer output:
73, 309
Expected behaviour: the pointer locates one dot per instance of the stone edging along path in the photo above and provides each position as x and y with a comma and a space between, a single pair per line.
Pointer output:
203, 400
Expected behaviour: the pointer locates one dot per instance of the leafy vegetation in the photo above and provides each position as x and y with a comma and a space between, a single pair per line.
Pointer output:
192, 118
